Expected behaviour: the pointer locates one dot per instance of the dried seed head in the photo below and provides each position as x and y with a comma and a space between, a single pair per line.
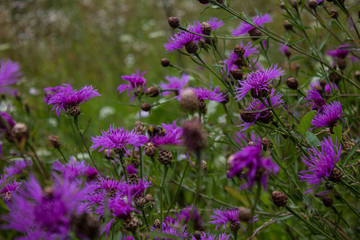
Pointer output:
334, 77
341, 63
266, 117
279, 198
20, 131
357, 75
282, 5
139, 127
261, 93
133, 178
202, 106
288, 25
174, 22
149, 198
153, 91
85, 225
54, 142
150, 150
327, 201
247, 117
234, 226
191, 47
194, 135
322, 83
140, 202
255, 33
157, 223
237, 74
206, 28
189, 100
335, 175
165, 157
131, 224
165, 62
74, 110
244, 214
266, 143
197, 235
145, 107
333, 13
292, 83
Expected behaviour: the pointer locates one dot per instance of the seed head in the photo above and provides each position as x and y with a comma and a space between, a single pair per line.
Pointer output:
189, 100
150, 150
20, 131
165, 157
288, 25
191, 47
334, 77
206, 28
327, 201
145, 107
194, 135
312, 4
333, 13
165, 62
153, 91
237, 74
266, 143
74, 110
335, 175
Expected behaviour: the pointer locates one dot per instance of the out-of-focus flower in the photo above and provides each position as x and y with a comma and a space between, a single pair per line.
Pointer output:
174, 83
172, 135
320, 163
136, 81
6, 124
17, 167
244, 27
172, 227
285, 50
249, 164
9, 75
221, 217
213, 95
341, 52
328, 116
191, 214
205, 236
118, 139
235, 61
65, 98
7, 188
74, 169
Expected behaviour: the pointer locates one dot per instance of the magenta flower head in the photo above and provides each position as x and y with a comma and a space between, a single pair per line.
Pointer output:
174, 83
7, 188
6, 124
65, 98
191, 214
183, 38
258, 82
316, 99
205, 236
328, 116
213, 95
17, 167
118, 139
284, 49
341, 52
249, 164
136, 81
232, 63
172, 136
9, 75
172, 227
221, 217
45, 214
74, 169
320, 163
248, 28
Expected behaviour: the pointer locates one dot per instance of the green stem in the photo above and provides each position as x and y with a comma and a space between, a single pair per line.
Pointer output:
143, 213
257, 197
141, 163
62, 154
161, 194
121, 156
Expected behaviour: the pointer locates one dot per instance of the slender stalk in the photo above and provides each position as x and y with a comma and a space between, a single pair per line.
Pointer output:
143, 213
62, 154
121, 156
257, 197
161, 194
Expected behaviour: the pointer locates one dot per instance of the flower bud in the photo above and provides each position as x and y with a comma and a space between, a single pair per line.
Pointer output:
357, 75
131, 224
341, 63
188, 100
194, 135
150, 150
191, 47
312, 4
149, 198
334, 77
174, 22
206, 28
237, 74
240, 51
255, 33
74, 110
282, 5
202, 106
244, 214
266, 117
145, 107
139, 127
165, 62
292, 83
85, 225
153, 91
165, 157
260, 93
288, 25
197, 235
20, 131
204, 1
327, 201
157, 223
54, 142
335, 175
333, 13
322, 83
140, 202
266, 143
279, 198
234, 226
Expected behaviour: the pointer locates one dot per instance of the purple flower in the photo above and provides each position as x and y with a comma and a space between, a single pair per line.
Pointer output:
178, 40
230, 63
320, 163
246, 27
120, 208
118, 139
190, 213
64, 97
172, 135
327, 88
9, 75
317, 100
6, 124
74, 169
213, 95
221, 217
328, 116
205, 236
341, 52
136, 81
172, 227
285, 50
7, 189
138, 189
257, 82
131, 169
249, 164
174, 83
45, 214
17, 167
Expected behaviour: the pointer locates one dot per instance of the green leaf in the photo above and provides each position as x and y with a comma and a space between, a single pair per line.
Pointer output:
306, 122
311, 139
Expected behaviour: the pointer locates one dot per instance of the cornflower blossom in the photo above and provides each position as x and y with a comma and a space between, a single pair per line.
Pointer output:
65, 98
136, 81
257, 111
205, 236
180, 39
320, 163
316, 99
172, 135
17, 167
45, 214
258, 82
249, 164
232, 63
172, 227
222, 216
328, 116
341, 53
7, 189
118, 139
6, 124
9, 75
174, 83
75, 169
244, 27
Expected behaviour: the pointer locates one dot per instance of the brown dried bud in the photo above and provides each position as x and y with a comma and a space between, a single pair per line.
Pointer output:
133, 178
149, 198
288, 25
333, 13
279, 198
266, 117
237, 74
165, 62
335, 175
191, 47
255, 32
131, 224
174, 22
54, 142
282, 5
194, 135
157, 223
334, 77
140, 202
357, 75
85, 225
260, 93
188, 100
322, 83
239, 50
139, 127
220, 2
247, 117
20, 131
202, 106
74, 110
266, 143
244, 214
292, 83
312, 4
145, 107
204, 1
295, 3
153, 91
226, 98
234, 226
341, 63
206, 28
150, 150
165, 157
327, 201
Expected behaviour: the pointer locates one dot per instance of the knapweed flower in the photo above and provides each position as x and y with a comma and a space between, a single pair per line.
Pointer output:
250, 165
191, 214
172, 135
235, 61
341, 52
17, 167
6, 124
328, 116
285, 50
258, 82
45, 214
205, 236
172, 227
320, 163
118, 139
9, 75
65, 98
7, 188
323, 85
174, 83
221, 217
248, 28
206, 94
183, 38
75, 169
316, 99
136, 81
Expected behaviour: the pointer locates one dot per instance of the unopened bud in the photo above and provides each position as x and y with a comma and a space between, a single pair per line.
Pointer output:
20, 131
341, 63
174, 22
288, 25
333, 13
312, 4
150, 150
334, 77
145, 107
244, 214
153, 91
165, 62
322, 83
335, 175
189, 100
54, 142
191, 47
282, 5
327, 201
237, 74
266, 143
279, 198
204, 1
157, 223
206, 28
240, 51
292, 83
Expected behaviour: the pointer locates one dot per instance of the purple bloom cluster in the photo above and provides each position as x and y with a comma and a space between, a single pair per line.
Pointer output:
244, 27
172, 227
75, 169
17, 167
172, 135
136, 81
342, 53
320, 163
63, 97
213, 95
205, 236
174, 83
230, 63
328, 116
249, 164
8, 187
9, 75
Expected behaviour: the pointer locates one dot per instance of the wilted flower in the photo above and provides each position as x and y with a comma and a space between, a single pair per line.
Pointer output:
174, 83
9, 75
320, 163
328, 116
65, 98
246, 27
136, 81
